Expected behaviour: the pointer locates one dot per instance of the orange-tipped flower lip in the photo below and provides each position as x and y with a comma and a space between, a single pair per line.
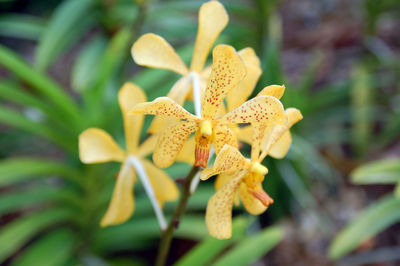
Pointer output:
201, 156
263, 197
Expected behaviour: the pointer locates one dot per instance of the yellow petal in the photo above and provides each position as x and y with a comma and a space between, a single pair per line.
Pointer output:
128, 96
258, 134
97, 146
250, 203
186, 154
227, 71
257, 110
178, 93
275, 133
223, 135
163, 106
219, 209
223, 178
212, 20
245, 134
273, 90
171, 142
122, 203
152, 50
282, 146
229, 159
147, 147
243, 90
164, 187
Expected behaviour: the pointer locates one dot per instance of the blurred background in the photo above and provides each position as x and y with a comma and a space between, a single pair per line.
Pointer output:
337, 193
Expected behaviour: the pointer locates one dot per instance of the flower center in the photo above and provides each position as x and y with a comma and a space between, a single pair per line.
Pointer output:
204, 138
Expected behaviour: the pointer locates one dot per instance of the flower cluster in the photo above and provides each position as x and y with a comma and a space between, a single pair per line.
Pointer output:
261, 122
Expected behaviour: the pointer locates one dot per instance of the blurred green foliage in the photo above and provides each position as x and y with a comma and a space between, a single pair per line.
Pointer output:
51, 204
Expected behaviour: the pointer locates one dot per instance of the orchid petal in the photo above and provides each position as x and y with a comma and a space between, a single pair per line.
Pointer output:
171, 142
97, 146
163, 106
257, 110
212, 20
122, 205
186, 154
147, 147
152, 50
273, 90
243, 90
250, 203
128, 97
227, 71
219, 208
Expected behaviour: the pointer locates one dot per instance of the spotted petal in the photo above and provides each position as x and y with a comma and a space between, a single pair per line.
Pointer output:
164, 187
97, 146
153, 51
243, 90
171, 142
219, 209
245, 134
186, 154
257, 110
128, 97
223, 135
212, 20
163, 106
122, 202
229, 159
227, 71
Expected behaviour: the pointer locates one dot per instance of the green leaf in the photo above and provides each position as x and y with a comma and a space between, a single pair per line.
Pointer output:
370, 222
55, 249
15, 234
68, 22
14, 119
21, 26
386, 171
397, 190
14, 93
15, 170
252, 248
26, 198
42, 83
204, 252
87, 63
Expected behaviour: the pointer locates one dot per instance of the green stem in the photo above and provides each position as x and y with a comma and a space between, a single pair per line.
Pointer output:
166, 236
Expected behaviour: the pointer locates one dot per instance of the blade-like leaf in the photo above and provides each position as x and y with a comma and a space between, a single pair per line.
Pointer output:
14, 119
43, 84
386, 171
87, 63
20, 169
21, 26
370, 222
252, 248
65, 26
204, 252
53, 249
16, 233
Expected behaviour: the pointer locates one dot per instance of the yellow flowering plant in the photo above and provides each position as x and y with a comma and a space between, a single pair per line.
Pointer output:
178, 135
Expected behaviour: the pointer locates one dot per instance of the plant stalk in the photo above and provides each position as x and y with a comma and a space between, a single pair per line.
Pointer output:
166, 236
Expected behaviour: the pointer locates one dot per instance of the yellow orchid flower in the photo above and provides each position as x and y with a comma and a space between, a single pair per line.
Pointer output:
97, 146
227, 71
153, 51
242, 176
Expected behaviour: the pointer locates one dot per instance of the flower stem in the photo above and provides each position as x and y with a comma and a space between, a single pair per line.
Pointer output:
166, 236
